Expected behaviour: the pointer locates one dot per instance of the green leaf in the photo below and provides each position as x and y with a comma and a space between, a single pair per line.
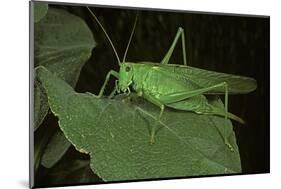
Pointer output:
41, 139
116, 134
40, 10
38, 149
63, 43
41, 106
69, 172
55, 149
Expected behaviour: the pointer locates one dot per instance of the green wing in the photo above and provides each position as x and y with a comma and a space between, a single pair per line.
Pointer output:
204, 78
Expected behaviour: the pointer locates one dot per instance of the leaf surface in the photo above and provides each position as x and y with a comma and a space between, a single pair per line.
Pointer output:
40, 10
55, 149
63, 43
70, 172
116, 134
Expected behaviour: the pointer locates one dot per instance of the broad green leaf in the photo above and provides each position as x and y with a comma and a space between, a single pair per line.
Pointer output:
62, 43
69, 172
40, 10
116, 134
55, 149
38, 149
41, 139
41, 106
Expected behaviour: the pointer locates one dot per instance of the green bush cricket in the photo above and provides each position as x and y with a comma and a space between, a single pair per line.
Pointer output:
176, 86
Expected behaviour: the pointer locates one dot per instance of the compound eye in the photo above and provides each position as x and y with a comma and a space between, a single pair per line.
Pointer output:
127, 69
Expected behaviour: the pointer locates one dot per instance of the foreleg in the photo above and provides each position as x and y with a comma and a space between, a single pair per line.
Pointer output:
111, 72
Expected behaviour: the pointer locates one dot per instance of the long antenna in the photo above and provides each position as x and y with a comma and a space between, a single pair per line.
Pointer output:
118, 59
130, 39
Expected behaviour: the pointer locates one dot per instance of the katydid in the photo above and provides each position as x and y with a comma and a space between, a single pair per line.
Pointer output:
176, 86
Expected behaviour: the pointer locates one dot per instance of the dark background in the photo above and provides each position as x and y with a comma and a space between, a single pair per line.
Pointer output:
224, 43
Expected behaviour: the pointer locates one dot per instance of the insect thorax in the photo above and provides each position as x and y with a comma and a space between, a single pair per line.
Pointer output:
149, 79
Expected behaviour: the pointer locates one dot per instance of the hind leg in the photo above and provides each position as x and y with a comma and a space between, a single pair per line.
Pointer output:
180, 33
